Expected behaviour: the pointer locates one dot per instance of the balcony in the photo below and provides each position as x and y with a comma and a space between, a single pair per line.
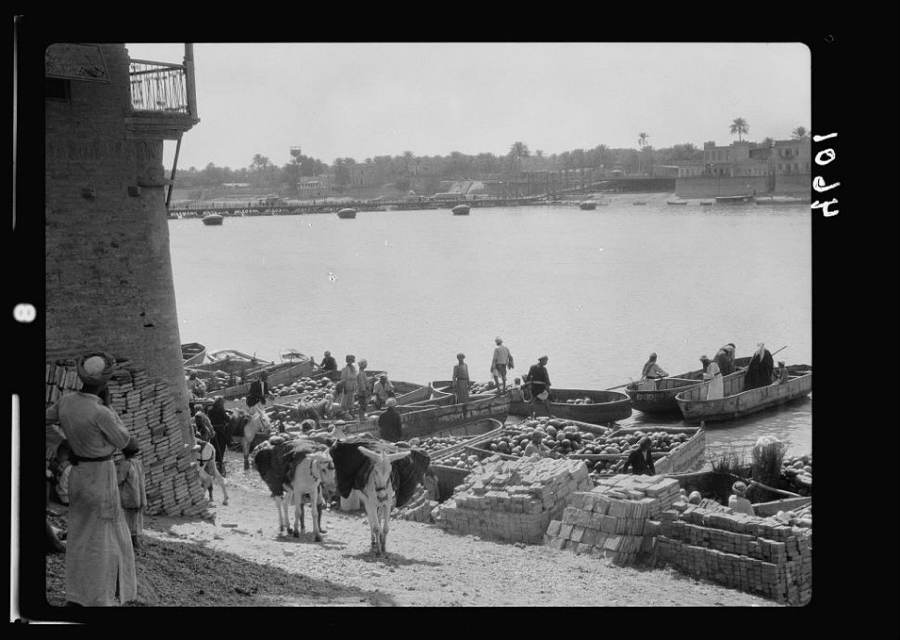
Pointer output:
163, 98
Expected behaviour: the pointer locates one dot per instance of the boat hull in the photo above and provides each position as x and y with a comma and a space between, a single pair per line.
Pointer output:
212, 220
193, 353
460, 210
607, 406
587, 206
347, 214
738, 403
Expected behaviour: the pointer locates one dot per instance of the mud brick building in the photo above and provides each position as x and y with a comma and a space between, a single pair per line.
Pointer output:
108, 270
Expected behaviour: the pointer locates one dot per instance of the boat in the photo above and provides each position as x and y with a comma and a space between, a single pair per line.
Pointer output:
460, 210
737, 402
677, 202
347, 213
718, 485
281, 373
706, 203
639, 202
782, 200
658, 396
741, 199
605, 406
229, 361
212, 219
588, 205
293, 354
439, 413
193, 353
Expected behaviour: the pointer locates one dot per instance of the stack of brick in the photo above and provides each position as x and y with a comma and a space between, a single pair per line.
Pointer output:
513, 501
615, 520
149, 412
419, 507
753, 554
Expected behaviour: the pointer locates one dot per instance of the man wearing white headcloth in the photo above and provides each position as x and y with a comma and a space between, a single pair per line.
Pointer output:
759, 371
99, 556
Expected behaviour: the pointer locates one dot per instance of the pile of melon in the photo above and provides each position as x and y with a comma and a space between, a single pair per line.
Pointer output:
797, 474
476, 388
437, 443
460, 460
307, 386
584, 400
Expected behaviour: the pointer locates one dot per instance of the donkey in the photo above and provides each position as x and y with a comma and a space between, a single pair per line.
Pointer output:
378, 495
313, 480
209, 473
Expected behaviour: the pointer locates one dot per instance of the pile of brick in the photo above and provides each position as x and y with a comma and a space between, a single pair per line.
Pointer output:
753, 554
419, 507
513, 501
616, 519
149, 412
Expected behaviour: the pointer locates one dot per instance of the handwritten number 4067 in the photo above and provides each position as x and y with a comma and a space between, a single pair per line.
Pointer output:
825, 157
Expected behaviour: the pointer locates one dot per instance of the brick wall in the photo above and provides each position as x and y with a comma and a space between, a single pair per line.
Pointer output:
108, 270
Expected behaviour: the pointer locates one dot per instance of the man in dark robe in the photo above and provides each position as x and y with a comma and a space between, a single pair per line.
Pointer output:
759, 371
389, 422
641, 459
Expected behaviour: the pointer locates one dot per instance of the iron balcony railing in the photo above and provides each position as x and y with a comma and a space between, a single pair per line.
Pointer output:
159, 87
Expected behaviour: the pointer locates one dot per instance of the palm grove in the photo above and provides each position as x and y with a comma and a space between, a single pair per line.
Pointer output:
400, 170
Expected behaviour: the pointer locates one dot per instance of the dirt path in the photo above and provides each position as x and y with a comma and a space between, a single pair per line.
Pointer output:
240, 560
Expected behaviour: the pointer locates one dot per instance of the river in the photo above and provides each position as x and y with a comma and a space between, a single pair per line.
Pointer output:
596, 291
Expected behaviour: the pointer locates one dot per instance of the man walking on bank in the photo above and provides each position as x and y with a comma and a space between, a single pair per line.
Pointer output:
100, 567
501, 361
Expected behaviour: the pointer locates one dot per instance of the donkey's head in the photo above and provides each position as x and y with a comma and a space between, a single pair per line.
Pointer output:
381, 469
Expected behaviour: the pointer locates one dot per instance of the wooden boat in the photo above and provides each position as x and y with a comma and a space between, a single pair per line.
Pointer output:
782, 200
688, 455
605, 407
439, 414
588, 205
737, 402
741, 199
460, 210
347, 213
231, 362
193, 353
281, 373
718, 485
677, 202
658, 396
212, 219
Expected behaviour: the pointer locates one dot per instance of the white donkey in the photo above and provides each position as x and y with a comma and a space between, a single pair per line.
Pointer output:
378, 495
254, 421
313, 478
209, 473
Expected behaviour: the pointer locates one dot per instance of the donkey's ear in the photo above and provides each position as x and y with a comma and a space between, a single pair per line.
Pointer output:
371, 455
398, 456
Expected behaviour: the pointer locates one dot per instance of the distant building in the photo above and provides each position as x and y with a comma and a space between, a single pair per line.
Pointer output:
315, 187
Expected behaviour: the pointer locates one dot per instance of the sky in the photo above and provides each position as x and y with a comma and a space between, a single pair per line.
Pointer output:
360, 100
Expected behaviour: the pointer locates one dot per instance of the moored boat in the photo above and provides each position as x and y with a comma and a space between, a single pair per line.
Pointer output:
782, 200
677, 202
737, 402
460, 210
347, 213
639, 202
602, 406
716, 486
212, 219
588, 205
658, 396
193, 353
739, 199
280, 373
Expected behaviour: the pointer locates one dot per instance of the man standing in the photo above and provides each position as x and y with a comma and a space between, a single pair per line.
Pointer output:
501, 361
100, 567
348, 384
362, 390
539, 380
759, 371
461, 379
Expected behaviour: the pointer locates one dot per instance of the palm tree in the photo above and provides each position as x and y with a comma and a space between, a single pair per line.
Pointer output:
739, 127
642, 139
519, 150
799, 133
